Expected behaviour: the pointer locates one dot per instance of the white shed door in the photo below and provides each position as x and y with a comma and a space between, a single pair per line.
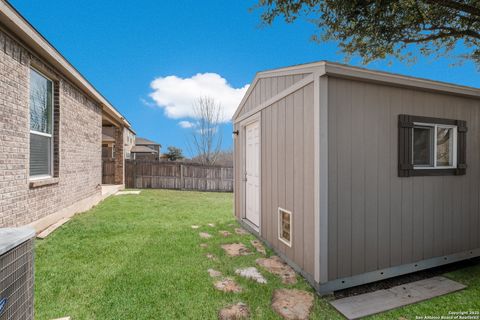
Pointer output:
252, 173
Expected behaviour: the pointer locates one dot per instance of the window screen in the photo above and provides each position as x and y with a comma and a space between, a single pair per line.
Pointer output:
41, 124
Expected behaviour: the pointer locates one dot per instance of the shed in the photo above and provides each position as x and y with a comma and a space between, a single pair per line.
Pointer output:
353, 175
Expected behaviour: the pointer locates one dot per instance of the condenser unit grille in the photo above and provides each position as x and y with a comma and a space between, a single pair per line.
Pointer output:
17, 282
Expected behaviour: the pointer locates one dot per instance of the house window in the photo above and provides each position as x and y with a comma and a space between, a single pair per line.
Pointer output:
285, 226
431, 146
41, 125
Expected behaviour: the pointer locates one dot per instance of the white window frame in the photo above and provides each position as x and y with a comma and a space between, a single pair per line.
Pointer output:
454, 145
288, 243
50, 135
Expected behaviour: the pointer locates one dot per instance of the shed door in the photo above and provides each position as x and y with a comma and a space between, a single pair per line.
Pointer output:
252, 173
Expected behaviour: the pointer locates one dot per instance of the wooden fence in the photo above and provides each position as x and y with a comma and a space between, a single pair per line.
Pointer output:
108, 171
182, 176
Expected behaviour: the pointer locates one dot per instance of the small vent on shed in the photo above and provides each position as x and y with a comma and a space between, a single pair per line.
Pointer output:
285, 226
16, 274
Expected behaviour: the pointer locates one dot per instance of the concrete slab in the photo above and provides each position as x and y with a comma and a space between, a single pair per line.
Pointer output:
45, 233
363, 305
121, 193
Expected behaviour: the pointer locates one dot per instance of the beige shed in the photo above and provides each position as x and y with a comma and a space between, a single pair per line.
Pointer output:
353, 175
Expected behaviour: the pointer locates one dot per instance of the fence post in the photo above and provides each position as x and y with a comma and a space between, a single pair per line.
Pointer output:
182, 179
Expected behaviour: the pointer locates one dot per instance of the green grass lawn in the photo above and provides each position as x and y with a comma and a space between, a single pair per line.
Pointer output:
137, 257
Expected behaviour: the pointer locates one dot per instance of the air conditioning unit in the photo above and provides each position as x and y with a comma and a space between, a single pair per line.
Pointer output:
16, 273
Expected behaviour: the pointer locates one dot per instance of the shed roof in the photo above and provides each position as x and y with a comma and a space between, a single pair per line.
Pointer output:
327, 68
22, 29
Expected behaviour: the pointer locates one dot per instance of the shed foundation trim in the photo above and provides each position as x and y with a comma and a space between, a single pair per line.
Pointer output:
382, 274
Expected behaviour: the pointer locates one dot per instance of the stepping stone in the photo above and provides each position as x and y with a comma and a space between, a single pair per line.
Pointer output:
236, 249
292, 303
234, 312
276, 266
241, 231
251, 273
214, 273
195, 227
205, 235
211, 225
203, 245
122, 193
258, 246
225, 233
227, 285
211, 256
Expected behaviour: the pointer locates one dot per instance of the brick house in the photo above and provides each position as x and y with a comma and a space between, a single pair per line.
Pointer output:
51, 121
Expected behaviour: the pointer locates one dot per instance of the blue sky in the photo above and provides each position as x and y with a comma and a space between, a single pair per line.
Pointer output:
122, 46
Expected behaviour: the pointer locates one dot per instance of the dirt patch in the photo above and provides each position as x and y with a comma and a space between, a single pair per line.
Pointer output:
205, 235
203, 245
258, 246
225, 233
241, 231
214, 273
236, 249
251, 273
276, 266
292, 303
227, 285
234, 312
195, 227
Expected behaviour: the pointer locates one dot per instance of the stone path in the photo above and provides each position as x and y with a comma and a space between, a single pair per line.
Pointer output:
234, 312
211, 256
276, 266
292, 303
241, 231
227, 285
225, 233
251, 273
205, 235
236, 249
214, 273
258, 246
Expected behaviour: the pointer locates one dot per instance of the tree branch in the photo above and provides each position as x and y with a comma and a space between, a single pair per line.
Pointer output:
456, 5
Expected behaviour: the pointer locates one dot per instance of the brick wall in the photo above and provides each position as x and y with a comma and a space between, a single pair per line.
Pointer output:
78, 145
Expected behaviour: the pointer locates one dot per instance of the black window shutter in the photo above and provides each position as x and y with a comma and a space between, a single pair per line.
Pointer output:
461, 147
405, 125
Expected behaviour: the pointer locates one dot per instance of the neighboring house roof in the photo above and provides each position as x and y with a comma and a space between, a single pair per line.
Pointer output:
17, 24
107, 138
143, 141
142, 149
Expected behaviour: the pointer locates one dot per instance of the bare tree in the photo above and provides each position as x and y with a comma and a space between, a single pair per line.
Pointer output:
206, 137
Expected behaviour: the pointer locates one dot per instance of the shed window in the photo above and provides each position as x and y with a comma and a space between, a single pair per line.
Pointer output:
431, 146
285, 226
434, 146
41, 125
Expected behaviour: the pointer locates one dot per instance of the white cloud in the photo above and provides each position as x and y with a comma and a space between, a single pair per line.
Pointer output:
176, 95
186, 124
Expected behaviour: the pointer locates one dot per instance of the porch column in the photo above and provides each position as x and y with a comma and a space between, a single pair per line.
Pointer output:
119, 158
